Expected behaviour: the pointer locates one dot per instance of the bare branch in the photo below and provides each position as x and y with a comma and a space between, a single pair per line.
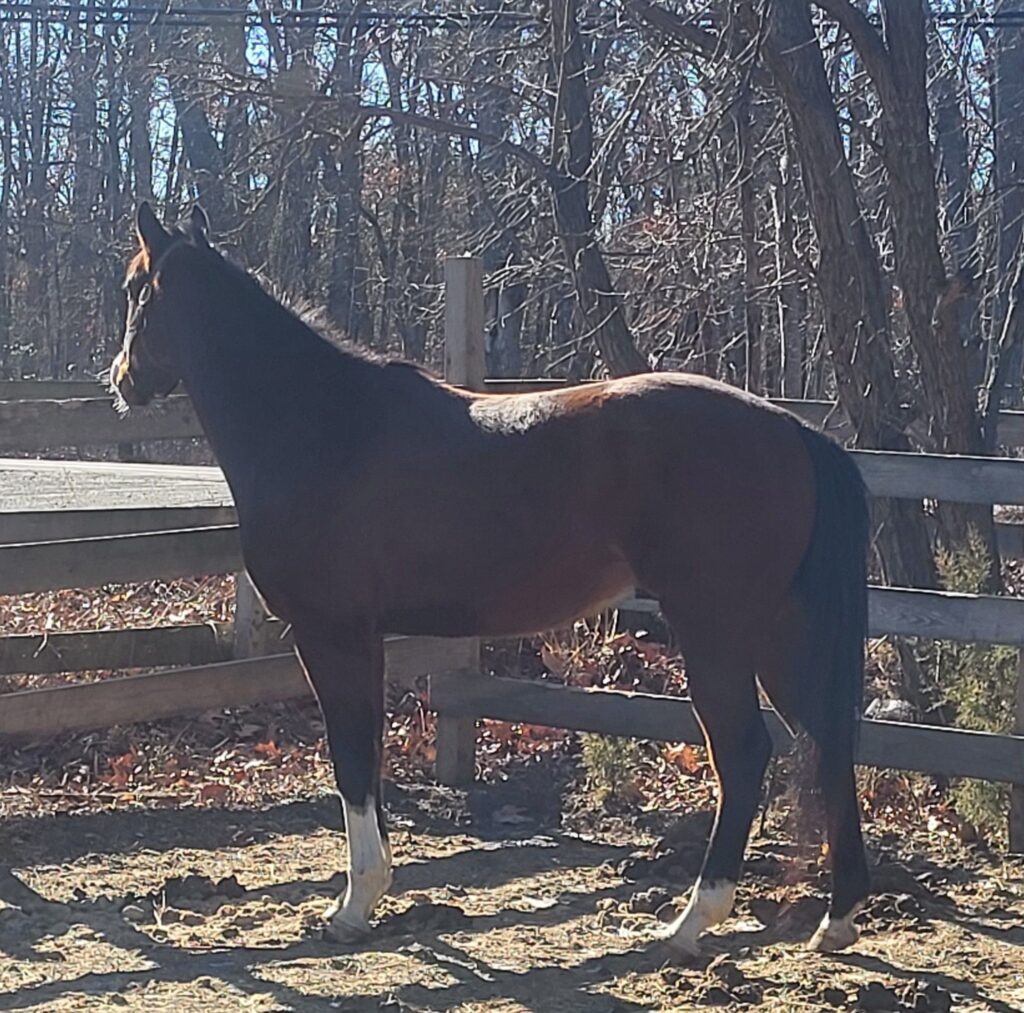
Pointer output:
865, 37
690, 35
445, 126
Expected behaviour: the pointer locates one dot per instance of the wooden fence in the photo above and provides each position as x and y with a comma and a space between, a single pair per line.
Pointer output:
231, 666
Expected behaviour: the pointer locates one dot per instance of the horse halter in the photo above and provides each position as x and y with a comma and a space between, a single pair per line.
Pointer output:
136, 323
146, 291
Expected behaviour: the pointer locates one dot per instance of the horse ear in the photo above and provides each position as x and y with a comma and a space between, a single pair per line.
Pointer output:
152, 235
198, 223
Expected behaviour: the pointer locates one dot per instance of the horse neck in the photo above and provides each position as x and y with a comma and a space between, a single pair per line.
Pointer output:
258, 378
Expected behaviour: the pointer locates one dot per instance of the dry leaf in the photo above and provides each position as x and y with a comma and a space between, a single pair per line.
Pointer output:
557, 664
685, 757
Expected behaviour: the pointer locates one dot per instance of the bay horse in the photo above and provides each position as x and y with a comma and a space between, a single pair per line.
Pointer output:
375, 499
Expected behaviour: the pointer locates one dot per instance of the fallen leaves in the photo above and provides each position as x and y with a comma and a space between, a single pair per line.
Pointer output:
119, 606
214, 791
596, 654
686, 758
123, 768
272, 753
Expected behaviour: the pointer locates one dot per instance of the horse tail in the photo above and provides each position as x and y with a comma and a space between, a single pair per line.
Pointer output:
831, 587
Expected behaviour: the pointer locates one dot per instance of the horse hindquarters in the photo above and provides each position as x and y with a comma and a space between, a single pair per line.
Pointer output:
346, 672
721, 557
787, 602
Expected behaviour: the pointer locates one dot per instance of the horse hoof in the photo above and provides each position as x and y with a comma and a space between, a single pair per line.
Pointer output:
682, 949
834, 934
345, 927
338, 930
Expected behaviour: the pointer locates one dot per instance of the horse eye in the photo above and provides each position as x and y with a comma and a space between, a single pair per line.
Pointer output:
144, 294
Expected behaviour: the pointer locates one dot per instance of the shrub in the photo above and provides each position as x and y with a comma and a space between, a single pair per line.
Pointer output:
978, 681
611, 764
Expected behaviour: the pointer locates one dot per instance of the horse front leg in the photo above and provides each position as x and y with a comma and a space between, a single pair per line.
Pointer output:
346, 671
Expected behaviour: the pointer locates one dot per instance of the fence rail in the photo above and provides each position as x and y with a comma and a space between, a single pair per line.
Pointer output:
90, 562
950, 752
41, 424
62, 525
105, 650
43, 713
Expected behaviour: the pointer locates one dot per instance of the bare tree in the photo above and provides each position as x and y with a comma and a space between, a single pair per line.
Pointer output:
1009, 183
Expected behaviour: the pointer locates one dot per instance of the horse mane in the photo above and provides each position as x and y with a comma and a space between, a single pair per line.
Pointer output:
307, 312
312, 318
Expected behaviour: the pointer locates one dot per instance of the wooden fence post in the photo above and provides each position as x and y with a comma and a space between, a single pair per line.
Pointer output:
464, 357
464, 364
252, 621
1016, 828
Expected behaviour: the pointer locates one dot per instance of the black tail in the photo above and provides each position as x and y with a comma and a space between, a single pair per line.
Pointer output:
832, 587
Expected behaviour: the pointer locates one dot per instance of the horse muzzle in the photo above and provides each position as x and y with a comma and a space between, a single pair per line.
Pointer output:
123, 385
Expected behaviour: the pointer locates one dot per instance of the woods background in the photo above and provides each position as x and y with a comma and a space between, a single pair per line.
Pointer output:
808, 200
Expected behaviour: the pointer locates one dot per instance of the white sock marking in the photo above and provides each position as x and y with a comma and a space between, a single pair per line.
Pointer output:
710, 903
369, 867
836, 933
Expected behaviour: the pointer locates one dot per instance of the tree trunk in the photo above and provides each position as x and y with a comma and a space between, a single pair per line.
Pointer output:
34, 162
849, 276
898, 68
929, 297
789, 295
86, 208
140, 87
410, 271
600, 305
343, 172
6, 216
1009, 172
751, 257
951, 138
506, 298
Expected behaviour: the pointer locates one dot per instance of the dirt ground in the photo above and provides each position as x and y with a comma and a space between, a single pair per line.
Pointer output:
498, 905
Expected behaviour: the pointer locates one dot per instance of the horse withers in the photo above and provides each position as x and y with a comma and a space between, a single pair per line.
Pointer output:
375, 499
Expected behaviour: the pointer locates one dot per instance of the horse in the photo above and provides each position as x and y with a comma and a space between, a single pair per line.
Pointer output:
374, 498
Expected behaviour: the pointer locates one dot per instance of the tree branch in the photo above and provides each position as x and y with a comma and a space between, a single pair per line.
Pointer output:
443, 126
671, 24
865, 37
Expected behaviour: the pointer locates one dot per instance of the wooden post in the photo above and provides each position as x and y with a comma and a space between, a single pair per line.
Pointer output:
464, 358
1016, 828
253, 630
464, 364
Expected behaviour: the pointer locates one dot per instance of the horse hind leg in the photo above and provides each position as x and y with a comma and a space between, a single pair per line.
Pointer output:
724, 697
347, 675
834, 773
850, 876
